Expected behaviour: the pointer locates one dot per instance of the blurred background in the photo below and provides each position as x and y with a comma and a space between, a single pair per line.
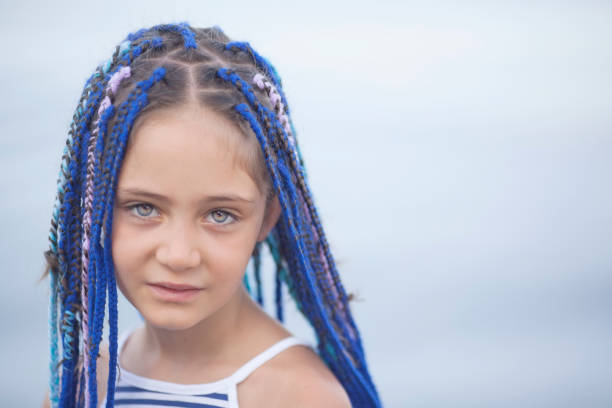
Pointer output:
459, 154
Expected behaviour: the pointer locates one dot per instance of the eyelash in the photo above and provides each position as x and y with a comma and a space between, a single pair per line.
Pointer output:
134, 211
228, 216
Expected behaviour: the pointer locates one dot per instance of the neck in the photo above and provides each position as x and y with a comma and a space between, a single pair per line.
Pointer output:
211, 340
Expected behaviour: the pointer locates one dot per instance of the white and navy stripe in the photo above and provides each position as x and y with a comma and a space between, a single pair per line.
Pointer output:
134, 391
135, 397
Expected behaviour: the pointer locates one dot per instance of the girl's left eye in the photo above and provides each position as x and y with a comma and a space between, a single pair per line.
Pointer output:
221, 217
142, 210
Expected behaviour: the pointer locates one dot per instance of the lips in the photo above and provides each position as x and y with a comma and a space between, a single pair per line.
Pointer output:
175, 286
172, 292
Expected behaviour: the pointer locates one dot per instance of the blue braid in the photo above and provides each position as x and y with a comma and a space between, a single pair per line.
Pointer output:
257, 272
181, 28
69, 232
112, 319
263, 64
138, 34
247, 91
278, 279
104, 262
279, 275
246, 113
96, 278
278, 129
359, 383
278, 294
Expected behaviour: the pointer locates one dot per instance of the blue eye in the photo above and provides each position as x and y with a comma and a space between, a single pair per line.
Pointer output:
220, 217
142, 210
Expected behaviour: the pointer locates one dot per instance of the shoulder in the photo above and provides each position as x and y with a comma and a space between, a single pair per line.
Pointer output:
300, 378
310, 383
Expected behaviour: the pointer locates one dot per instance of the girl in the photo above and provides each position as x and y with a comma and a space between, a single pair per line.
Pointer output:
180, 164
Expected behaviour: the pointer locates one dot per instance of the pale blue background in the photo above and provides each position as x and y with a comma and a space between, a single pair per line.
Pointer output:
460, 155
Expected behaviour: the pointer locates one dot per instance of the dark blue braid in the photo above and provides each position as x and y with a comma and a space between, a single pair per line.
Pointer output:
105, 278
287, 183
278, 293
69, 243
137, 35
363, 389
279, 275
355, 345
140, 102
263, 64
278, 130
356, 341
94, 278
181, 28
83, 165
264, 114
246, 113
257, 272
97, 294
97, 279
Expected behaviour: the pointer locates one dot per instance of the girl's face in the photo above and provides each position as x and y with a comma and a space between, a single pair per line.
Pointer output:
186, 214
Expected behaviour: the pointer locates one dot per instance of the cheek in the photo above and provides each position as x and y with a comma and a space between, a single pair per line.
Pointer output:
228, 255
128, 249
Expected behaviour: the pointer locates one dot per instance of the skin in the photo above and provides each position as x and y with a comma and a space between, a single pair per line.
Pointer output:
184, 235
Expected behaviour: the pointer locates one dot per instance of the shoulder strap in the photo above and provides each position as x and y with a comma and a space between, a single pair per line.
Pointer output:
244, 371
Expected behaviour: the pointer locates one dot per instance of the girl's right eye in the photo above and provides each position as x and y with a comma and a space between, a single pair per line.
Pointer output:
142, 210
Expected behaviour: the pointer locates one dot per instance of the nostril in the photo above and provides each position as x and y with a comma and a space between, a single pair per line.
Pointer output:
178, 259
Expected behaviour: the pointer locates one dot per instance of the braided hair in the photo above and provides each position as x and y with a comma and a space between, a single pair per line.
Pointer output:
156, 68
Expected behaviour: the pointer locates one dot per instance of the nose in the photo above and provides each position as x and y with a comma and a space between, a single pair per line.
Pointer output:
178, 250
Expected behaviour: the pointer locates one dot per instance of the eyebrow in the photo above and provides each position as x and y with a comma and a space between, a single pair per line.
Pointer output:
162, 198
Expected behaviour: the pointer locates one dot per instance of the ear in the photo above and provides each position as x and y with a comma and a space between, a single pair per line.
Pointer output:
272, 213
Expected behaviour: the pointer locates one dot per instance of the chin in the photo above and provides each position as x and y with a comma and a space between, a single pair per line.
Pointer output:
171, 321
167, 316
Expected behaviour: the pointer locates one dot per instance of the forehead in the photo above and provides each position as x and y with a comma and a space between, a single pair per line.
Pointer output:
186, 153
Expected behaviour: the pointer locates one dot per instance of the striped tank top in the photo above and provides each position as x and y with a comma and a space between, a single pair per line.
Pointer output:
134, 391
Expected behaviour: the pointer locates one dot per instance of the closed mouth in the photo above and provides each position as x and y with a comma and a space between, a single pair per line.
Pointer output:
175, 286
